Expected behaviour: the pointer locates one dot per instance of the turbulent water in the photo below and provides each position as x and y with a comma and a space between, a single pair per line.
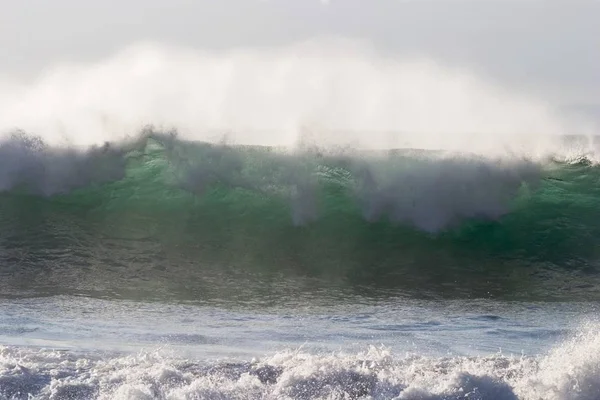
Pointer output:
298, 375
65, 348
166, 268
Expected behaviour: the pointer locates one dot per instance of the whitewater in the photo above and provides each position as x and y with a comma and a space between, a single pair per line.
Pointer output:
316, 221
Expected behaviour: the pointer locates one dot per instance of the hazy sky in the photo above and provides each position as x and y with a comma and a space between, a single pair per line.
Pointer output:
547, 46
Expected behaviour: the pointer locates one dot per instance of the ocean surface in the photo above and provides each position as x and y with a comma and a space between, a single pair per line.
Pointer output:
164, 268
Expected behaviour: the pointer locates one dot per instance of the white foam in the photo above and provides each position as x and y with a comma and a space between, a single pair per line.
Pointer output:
568, 372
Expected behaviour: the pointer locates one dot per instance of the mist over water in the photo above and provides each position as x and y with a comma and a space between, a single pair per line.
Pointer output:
328, 92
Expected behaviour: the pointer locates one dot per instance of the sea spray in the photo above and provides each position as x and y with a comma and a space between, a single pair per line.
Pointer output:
332, 92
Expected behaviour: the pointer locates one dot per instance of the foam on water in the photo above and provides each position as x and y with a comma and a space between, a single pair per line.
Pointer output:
568, 372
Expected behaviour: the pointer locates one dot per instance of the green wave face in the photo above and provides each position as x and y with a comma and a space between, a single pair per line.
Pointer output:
161, 217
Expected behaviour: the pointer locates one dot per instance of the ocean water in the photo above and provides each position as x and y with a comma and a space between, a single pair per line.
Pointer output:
164, 268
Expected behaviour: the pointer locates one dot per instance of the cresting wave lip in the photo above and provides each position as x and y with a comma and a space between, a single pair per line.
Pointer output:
431, 190
568, 372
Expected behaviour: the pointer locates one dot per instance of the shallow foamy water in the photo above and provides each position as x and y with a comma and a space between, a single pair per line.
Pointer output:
66, 347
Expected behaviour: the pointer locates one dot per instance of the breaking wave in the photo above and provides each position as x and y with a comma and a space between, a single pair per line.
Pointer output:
282, 162
369, 216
